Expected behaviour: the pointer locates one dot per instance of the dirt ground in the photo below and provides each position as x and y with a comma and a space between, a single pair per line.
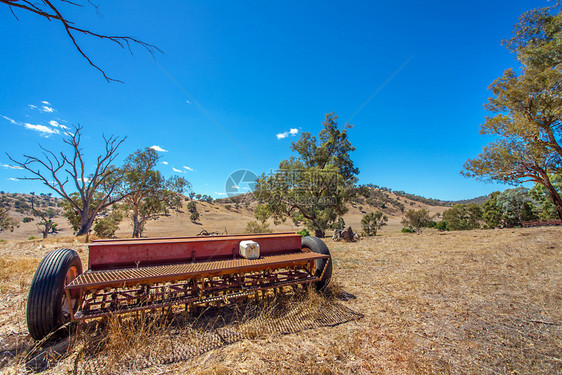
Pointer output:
455, 302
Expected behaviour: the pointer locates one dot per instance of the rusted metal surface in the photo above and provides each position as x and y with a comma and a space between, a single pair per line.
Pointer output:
174, 272
115, 240
133, 253
238, 279
130, 275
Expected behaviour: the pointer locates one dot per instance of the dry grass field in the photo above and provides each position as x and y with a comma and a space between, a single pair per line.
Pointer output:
456, 302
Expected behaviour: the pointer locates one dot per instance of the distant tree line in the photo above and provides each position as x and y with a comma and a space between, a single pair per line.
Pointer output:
511, 208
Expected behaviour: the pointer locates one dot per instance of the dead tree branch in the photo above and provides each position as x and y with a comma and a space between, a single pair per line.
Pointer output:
46, 9
93, 192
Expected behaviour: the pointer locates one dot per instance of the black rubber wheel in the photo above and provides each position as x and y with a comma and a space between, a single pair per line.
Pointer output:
318, 246
47, 306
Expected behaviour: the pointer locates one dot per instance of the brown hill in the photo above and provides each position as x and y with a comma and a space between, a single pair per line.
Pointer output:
229, 215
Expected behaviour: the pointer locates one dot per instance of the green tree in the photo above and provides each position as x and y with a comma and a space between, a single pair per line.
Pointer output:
527, 119
418, 219
194, 217
474, 215
46, 224
547, 208
373, 222
517, 206
463, 217
491, 212
147, 194
191, 207
314, 186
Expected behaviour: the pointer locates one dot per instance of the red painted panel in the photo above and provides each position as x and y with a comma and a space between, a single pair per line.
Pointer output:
120, 254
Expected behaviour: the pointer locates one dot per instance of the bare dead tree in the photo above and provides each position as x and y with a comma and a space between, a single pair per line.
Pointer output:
95, 191
46, 9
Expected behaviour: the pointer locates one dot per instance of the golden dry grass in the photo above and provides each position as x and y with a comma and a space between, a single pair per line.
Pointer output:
459, 302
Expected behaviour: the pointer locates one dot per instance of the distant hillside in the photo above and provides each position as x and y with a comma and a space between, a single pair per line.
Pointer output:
478, 200
229, 215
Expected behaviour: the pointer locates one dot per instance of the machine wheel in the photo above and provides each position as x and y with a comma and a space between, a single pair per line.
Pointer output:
318, 246
47, 306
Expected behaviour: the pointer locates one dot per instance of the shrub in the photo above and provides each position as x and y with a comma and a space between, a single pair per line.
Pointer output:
373, 222
257, 227
27, 219
407, 230
417, 219
442, 225
192, 207
32, 238
304, 232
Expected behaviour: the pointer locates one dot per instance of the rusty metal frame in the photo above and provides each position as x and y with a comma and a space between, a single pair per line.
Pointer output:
207, 282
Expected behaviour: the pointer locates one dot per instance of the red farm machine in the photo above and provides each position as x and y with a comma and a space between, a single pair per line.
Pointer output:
129, 275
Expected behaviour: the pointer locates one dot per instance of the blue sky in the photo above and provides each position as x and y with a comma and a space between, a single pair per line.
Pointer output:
234, 75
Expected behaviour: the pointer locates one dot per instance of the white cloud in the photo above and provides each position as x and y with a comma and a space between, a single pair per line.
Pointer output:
14, 122
46, 102
189, 169
235, 187
12, 179
158, 148
177, 170
10, 166
292, 132
44, 130
47, 109
165, 162
32, 106
217, 193
54, 123
86, 179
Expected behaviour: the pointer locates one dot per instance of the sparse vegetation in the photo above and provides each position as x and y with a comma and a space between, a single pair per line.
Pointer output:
373, 222
417, 220
257, 227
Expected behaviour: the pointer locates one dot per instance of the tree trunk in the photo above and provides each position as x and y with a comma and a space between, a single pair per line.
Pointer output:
554, 195
85, 223
137, 226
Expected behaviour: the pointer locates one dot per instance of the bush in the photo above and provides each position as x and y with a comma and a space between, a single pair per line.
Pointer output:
373, 222
106, 227
192, 207
194, 217
257, 227
442, 225
304, 232
407, 230
27, 219
32, 238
